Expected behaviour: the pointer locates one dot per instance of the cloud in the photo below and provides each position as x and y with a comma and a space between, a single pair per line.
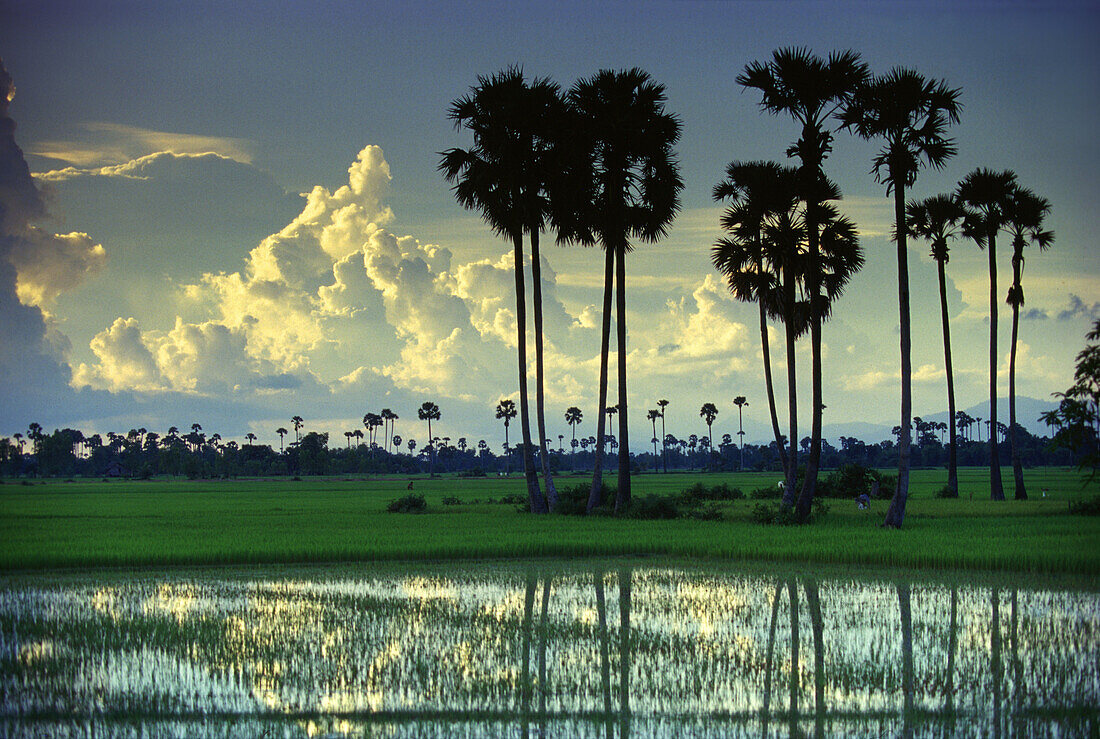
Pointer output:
112, 143
1035, 314
1078, 308
50, 264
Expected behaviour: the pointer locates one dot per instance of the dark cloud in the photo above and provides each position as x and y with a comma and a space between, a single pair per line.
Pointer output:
1035, 314
1080, 309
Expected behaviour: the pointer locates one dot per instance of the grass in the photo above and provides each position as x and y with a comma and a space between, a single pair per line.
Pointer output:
175, 522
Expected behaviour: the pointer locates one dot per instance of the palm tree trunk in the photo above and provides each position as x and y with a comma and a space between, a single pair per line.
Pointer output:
952, 449
907, 675
540, 414
605, 347
534, 494
1017, 297
996, 489
664, 435
624, 651
809, 485
765, 348
768, 661
622, 498
795, 687
895, 515
817, 626
792, 401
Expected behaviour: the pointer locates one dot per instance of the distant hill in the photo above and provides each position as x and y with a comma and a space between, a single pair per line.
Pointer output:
1027, 412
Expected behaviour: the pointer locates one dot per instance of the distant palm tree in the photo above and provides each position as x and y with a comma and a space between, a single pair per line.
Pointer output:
986, 196
506, 410
298, 423
251, 437
573, 416
1024, 222
388, 417
708, 413
740, 401
505, 175
811, 90
348, 435
429, 412
280, 431
663, 405
653, 415
911, 114
935, 219
631, 182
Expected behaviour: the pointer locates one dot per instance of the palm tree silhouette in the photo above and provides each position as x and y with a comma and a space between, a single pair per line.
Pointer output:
663, 405
811, 90
935, 219
631, 182
251, 437
759, 193
505, 175
740, 401
429, 412
298, 423
985, 195
708, 413
506, 410
573, 416
911, 114
280, 431
653, 415
1024, 222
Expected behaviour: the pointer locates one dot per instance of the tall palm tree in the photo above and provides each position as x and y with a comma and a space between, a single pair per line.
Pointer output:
740, 401
911, 114
759, 193
251, 437
505, 176
281, 432
388, 417
811, 90
708, 413
663, 405
986, 195
935, 219
632, 183
506, 410
1024, 222
429, 411
298, 423
573, 416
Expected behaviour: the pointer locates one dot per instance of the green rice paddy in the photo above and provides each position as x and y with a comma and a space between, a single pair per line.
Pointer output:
62, 524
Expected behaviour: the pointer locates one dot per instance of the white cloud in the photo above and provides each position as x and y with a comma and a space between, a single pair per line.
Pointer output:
112, 143
50, 264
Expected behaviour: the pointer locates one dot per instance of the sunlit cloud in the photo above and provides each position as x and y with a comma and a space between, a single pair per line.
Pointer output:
105, 143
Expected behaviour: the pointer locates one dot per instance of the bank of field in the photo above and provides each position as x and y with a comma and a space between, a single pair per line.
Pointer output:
167, 522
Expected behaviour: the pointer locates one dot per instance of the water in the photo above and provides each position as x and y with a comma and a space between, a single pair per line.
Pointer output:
543, 650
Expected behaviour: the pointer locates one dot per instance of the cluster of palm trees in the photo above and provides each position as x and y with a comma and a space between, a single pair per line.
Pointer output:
594, 163
788, 250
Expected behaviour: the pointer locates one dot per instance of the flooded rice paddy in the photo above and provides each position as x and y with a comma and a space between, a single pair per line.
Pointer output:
542, 650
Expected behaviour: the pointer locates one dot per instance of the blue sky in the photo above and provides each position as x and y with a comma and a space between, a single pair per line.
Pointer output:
179, 136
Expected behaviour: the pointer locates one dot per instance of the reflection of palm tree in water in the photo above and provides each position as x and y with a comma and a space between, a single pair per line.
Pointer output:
906, 656
605, 651
625, 575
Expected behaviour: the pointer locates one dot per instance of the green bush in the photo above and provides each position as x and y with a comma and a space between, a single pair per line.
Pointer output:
709, 512
652, 507
781, 515
1086, 507
768, 492
409, 504
947, 492
573, 500
699, 493
451, 500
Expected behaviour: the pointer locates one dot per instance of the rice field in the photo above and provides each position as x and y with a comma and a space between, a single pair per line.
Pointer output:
62, 524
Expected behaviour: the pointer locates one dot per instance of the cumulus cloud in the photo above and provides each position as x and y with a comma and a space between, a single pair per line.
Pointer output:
50, 264
1035, 314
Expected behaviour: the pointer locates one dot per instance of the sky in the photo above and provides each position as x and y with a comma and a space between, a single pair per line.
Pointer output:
234, 216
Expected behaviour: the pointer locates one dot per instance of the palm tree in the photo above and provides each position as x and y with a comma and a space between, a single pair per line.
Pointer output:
986, 195
429, 412
573, 416
663, 405
632, 184
348, 435
1024, 222
357, 434
506, 409
935, 219
505, 175
280, 431
387, 417
911, 114
653, 415
251, 437
740, 401
708, 413
811, 90
298, 423
759, 193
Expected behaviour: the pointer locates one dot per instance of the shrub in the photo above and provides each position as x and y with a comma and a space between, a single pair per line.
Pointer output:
451, 500
709, 512
1086, 507
652, 507
408, 504
767, 492
778, 514
573, 500
947, 492
850, 481
698, 493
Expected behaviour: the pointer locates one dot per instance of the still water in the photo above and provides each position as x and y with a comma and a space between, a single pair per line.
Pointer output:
517, 650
